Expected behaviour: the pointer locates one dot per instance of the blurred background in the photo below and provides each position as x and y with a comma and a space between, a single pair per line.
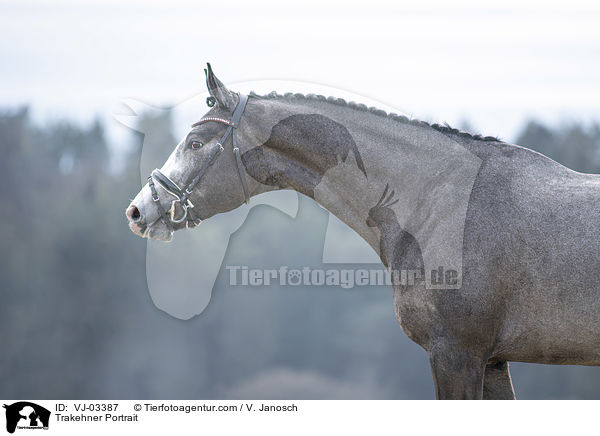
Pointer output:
76, 317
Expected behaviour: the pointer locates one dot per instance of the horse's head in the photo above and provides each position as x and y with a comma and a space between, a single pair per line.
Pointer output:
204, 175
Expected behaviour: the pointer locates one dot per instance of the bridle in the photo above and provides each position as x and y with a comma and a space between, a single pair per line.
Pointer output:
182, 196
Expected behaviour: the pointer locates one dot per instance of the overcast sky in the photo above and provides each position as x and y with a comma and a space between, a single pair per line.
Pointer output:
495, 65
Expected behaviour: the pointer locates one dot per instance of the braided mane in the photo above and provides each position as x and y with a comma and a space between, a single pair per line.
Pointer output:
443, 128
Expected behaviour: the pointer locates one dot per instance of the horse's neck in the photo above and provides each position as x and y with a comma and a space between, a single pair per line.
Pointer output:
431, 173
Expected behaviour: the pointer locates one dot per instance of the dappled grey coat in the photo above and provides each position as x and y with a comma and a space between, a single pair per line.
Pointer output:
500, 241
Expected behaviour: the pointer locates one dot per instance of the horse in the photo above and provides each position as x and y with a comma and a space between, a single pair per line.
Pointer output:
504, 239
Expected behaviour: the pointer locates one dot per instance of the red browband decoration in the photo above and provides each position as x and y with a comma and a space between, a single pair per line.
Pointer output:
217, 119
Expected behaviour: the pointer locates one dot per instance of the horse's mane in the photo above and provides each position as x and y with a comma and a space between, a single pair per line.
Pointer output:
443, 128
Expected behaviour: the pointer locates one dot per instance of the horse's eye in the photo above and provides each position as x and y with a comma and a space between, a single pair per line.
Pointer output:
196, 144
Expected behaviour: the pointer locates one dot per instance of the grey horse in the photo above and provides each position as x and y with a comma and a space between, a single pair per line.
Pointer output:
504, 241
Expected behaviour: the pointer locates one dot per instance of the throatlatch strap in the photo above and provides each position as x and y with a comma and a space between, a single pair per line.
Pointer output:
239, 110
240, 170
237, 115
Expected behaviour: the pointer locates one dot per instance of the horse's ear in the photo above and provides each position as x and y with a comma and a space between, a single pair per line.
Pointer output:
224, 96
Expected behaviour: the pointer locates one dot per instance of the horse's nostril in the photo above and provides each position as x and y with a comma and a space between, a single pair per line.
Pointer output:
133, 213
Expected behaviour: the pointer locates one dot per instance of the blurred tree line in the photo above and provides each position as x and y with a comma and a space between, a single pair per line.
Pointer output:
77, 321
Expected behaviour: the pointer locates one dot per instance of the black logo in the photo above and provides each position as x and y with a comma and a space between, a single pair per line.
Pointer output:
26, 415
